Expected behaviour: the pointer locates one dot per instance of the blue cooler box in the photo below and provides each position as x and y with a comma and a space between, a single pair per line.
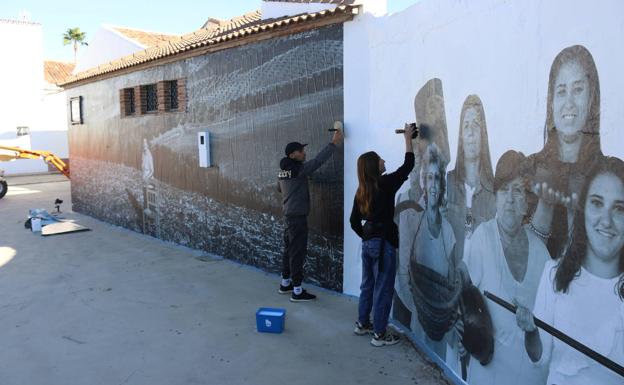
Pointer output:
270, 320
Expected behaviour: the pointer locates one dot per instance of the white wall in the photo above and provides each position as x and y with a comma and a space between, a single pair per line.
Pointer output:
21, 76
27, 100
52, 136
499, 50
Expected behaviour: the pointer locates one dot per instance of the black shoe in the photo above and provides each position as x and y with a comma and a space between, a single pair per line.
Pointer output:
385, 338
363, 329
285, 289
303, 297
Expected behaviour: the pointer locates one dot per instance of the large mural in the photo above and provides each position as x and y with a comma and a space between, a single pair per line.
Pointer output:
487, 258
143, 172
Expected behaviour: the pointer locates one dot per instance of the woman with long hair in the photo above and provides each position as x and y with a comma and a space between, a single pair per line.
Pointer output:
374, 203
470, 194
582, 294
572, 144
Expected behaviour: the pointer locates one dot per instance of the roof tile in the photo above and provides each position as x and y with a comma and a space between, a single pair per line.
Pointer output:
56, 72
145, 38
213, 35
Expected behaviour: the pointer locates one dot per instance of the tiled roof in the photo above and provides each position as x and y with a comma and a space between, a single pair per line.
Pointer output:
216, 36
219, 27
56, 72
8, 21
338, 2
145, 38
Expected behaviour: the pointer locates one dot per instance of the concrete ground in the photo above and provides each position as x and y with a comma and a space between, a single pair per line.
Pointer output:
115, 307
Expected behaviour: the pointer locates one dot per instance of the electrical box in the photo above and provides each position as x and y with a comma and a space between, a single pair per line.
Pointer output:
203, 145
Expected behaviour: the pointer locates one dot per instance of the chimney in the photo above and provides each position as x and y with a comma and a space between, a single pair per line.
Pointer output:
211, 23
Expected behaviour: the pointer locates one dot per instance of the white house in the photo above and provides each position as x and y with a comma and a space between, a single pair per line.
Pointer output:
111, 42
21, 74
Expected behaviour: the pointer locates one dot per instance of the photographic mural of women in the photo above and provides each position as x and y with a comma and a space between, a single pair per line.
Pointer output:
544, 232
582, 294
470, 194
572, 144
506, 258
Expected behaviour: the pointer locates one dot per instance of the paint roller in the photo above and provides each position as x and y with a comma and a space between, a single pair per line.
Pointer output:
337, 126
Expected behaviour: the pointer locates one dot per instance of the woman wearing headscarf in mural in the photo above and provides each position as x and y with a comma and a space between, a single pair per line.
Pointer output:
507, 259
430, 115
433, 277
572, 144
582, 294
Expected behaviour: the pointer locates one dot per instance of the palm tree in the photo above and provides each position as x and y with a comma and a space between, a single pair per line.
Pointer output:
75, 36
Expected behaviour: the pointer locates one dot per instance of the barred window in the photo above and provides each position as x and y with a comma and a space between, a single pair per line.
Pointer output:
23, 131
128, 102
151, 98
131, 102
173, 95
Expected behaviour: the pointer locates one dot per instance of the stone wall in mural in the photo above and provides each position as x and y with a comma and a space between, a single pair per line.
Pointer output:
143, 172
543, 232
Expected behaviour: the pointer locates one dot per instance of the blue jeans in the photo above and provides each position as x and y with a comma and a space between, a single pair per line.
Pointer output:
377, 286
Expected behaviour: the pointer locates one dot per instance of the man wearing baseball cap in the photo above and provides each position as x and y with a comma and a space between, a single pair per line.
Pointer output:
293, 184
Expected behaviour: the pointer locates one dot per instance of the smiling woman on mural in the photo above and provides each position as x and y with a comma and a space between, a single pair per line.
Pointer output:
432, 265
582, 295
572, 145
507, 259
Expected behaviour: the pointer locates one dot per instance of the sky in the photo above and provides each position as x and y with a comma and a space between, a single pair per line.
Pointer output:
173, 16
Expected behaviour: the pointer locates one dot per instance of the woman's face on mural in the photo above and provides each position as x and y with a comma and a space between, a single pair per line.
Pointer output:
471, 134
432, 185
604, 216
571, 99
511, 205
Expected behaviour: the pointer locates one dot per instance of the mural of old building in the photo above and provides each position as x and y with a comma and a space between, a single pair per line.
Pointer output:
252, 85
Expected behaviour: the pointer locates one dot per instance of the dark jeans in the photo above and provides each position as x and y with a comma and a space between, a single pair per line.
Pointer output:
377, 286
295, 248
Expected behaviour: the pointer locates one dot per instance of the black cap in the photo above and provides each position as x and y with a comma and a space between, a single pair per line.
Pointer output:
294, 146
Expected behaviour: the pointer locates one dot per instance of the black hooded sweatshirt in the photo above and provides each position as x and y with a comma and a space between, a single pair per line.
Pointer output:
293, 181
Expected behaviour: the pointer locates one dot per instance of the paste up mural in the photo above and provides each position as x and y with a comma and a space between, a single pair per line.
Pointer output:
143, 172
426, 288
543, 234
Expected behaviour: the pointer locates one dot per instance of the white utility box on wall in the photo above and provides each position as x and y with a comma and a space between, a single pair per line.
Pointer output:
203, 144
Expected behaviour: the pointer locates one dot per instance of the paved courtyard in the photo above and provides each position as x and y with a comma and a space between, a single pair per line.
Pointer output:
115, 307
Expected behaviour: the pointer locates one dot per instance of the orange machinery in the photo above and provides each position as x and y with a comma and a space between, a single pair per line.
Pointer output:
11, 153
